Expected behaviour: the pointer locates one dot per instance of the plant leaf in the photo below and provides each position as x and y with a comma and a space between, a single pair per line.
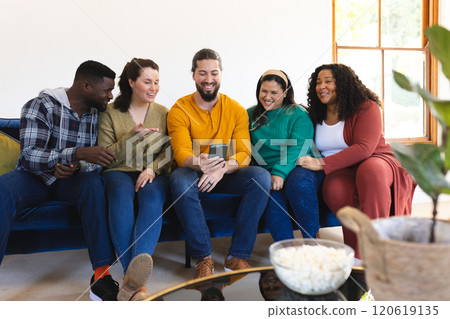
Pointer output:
441, 107
440, 46
425, 164
447, 151
403, 81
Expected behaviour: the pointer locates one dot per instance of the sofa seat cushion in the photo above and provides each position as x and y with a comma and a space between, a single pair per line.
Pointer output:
47, 215
40, 240
50, 226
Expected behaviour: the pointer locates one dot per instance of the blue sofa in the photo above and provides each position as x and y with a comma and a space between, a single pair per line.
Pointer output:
55, 225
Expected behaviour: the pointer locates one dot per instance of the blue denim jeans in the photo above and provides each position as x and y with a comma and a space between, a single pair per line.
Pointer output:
300, 194
135, 219
20, 190
252, 182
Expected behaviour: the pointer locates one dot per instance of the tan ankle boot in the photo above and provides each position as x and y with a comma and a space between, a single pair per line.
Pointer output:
138, 273
142, 294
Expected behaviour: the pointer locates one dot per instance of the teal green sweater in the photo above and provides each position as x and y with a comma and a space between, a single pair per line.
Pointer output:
272, 143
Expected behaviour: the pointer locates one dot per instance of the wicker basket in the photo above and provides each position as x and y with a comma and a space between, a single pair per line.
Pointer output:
400, 263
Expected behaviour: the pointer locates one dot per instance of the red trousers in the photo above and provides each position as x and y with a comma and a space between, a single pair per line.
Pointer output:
366, 186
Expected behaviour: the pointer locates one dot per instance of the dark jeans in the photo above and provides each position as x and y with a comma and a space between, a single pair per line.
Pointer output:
134, 231
300, 193
20, 190
252, 182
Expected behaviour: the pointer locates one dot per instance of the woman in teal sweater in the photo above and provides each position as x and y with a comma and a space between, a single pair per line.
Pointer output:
281, 132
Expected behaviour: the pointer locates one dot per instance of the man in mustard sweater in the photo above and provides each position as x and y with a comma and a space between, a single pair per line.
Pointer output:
195, 122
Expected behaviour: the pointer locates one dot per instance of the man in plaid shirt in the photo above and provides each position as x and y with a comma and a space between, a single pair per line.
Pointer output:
59, 161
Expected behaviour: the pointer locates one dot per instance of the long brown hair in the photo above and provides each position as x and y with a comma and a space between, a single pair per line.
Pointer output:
131, 71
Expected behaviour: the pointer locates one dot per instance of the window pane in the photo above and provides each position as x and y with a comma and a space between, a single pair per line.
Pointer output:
401, 22
366, 64
357, 22
404, 112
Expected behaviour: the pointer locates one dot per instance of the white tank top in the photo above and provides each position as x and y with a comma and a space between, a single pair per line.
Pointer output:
330, 138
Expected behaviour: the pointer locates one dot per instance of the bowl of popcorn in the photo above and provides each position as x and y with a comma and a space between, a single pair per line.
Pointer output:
312, 266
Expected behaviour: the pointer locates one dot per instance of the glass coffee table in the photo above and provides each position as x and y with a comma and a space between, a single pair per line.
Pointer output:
256, 284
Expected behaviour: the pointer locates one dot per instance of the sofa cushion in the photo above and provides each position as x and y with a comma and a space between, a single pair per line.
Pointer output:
40, 240
10, 150
47, 215
10, 127
49, 226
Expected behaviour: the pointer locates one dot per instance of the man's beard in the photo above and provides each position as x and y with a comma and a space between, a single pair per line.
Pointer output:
100, 106
207, 97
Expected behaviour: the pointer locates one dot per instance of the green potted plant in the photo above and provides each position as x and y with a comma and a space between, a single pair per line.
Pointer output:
407, 258
429, 163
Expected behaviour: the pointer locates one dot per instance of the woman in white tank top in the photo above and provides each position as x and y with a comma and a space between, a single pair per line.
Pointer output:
360, 169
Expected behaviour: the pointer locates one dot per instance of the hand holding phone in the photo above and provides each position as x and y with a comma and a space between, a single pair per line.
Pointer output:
218, 150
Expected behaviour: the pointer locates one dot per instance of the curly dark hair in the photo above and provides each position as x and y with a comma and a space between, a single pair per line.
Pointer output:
131, 71
258, 115
351, 93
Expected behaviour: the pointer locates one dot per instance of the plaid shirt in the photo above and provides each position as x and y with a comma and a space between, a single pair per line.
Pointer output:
50, 133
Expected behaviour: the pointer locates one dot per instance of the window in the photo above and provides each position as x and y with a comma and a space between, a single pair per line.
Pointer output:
374, 37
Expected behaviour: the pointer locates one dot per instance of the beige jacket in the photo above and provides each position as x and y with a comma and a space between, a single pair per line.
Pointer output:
135, 153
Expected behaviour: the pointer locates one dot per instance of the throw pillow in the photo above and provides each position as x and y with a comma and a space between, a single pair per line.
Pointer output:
10, 150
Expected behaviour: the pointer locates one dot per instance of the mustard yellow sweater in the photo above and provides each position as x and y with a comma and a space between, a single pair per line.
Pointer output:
227, 123
136, 153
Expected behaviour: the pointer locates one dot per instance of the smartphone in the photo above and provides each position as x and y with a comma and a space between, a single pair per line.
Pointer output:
218, 150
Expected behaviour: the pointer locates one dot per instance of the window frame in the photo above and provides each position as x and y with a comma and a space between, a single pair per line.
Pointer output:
430, 14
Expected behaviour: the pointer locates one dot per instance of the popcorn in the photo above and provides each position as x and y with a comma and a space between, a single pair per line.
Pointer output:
312, 270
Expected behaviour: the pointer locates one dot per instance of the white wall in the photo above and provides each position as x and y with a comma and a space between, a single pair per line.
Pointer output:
44, 41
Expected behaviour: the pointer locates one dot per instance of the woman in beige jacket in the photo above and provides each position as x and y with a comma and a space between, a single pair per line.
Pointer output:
134, 128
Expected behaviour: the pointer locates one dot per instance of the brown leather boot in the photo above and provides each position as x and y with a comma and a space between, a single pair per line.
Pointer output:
138, 273
141, 294
205, 267
236, 264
